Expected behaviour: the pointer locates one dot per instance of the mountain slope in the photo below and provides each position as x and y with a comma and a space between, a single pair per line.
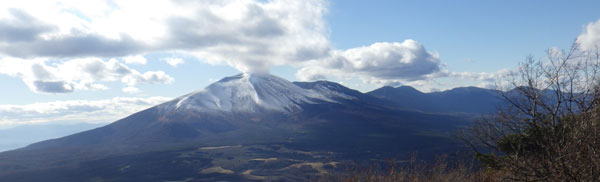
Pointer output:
249, 93
244, 127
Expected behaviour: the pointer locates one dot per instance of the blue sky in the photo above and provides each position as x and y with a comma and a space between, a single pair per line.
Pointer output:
494, 34
474, 38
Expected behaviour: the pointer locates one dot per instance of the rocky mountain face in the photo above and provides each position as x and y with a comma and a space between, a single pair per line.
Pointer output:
242, 128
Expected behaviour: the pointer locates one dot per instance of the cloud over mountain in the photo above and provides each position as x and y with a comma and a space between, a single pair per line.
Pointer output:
407, 60
249, 35
590, 37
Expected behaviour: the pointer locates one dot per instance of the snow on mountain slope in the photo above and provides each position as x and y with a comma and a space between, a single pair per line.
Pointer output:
249, 92
330, 90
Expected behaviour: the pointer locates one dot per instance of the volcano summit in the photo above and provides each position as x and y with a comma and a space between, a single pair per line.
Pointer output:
244, 127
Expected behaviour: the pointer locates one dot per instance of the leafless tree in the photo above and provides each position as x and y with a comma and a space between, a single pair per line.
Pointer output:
548, 130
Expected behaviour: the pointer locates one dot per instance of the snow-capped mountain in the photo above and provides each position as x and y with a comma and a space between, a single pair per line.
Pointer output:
237, 125
252, 92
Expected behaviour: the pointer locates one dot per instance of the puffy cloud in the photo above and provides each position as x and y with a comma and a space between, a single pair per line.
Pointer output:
52, 86
590, 37
407, 60
77, 74
174, 61
23, 35
95, 111
250, 35
394, 64
19, 27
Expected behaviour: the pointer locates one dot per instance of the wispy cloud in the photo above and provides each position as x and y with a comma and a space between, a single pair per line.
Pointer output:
94, 111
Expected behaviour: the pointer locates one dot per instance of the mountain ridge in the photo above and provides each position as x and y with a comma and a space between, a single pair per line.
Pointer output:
473, 100
249, 92
312, 122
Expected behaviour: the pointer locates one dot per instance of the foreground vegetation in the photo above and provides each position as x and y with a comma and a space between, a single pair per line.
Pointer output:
549, 129
414, 170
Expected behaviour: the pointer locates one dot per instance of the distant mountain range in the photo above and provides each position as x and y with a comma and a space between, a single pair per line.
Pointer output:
254, 127
471, 100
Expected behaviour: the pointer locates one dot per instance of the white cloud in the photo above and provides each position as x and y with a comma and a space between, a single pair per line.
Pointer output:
150, 77
590, 37
76, 74
94, 111
174, 61
407, 60
449, 80
394, 64
481, 76
250, 35
135, 60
